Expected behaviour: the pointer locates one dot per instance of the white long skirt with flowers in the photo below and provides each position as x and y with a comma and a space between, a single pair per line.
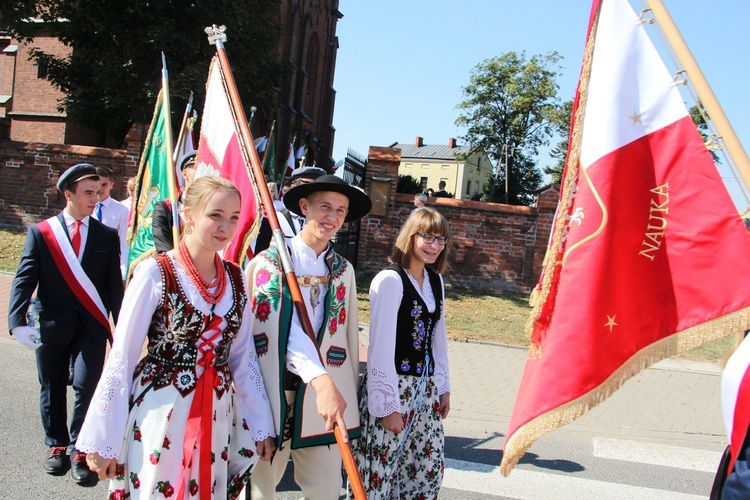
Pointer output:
406, 465
153, 448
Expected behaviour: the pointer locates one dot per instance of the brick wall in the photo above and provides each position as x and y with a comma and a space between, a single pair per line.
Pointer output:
498, 248
29, 173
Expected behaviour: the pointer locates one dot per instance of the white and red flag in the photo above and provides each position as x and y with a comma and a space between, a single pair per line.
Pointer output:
648, 255
219, 154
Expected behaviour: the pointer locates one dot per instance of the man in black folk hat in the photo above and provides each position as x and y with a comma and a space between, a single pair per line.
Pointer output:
74, 260
308, 397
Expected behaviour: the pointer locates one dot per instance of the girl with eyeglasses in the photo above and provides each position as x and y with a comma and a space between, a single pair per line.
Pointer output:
405, 394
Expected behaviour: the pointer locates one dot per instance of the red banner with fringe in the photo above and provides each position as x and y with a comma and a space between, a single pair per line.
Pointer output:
648, 255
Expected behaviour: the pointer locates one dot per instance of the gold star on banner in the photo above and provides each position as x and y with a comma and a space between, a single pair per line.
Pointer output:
636, 117
611, 322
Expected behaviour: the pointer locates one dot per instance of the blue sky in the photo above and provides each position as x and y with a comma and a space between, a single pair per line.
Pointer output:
401, 64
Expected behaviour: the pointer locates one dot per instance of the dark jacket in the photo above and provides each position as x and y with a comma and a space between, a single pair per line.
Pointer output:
161, 226
57, 305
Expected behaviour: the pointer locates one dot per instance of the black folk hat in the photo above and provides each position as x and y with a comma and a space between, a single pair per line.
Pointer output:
359, 202
75, 174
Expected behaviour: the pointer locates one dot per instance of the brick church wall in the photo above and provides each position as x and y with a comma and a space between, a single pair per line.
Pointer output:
29, 173
497, 248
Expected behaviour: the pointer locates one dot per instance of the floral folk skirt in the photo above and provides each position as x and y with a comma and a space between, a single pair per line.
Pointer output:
150, 464
411, 469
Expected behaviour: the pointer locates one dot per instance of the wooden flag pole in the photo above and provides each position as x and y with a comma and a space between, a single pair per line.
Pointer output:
171, 181
705, 94
217, 37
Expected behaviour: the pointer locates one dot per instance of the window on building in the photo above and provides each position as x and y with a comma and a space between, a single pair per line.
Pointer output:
408, 165
41, 68
425, 165
468, 188
445, 167
423, 182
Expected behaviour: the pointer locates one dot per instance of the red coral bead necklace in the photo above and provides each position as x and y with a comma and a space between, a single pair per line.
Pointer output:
203, 286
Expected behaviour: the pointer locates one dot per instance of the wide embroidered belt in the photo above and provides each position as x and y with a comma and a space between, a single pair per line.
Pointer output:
189, 358
312, 280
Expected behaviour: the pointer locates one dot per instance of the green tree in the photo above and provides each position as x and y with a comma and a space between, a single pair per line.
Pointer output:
700, 123
560, 151
114, 73
408, 184
509, 110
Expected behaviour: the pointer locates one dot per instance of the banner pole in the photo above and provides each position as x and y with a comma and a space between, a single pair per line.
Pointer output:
705, 94
171, 181
217, 37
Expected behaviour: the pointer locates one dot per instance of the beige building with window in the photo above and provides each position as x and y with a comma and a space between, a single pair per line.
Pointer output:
431, 163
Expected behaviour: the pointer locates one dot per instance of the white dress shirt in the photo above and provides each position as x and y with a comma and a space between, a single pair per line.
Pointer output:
83, 230
115, 215
302, 355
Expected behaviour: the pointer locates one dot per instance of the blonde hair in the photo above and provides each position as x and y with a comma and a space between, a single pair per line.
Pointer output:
422, 220
273, 190
199, 191
131, 184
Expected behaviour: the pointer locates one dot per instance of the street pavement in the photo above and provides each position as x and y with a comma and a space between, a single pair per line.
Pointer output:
668, 415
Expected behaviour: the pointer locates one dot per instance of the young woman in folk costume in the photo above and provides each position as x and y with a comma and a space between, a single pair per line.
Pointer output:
192, 417
406, 391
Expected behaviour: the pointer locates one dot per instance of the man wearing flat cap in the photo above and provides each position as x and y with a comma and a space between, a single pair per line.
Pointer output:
308, 397
73, 261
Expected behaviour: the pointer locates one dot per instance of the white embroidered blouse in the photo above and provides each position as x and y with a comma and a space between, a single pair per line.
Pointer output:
104, 427
386, 293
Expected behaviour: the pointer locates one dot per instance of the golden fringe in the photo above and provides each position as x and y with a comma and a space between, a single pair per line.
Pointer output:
688, 339
131, 267
542, 295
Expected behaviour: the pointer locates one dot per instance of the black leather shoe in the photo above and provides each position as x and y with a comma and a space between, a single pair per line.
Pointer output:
57, 460
79, 471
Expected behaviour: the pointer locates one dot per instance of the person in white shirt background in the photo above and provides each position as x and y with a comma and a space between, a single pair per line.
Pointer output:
112, 213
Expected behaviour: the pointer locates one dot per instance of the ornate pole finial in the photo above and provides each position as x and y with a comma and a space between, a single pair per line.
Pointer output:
216, 33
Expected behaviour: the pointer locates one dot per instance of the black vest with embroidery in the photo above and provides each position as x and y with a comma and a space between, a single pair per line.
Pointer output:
175, 328
415, 326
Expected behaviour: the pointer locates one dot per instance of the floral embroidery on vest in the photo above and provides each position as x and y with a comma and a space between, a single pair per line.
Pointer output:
267, 293
175, 329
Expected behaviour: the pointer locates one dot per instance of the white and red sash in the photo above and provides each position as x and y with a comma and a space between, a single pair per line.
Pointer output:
67, 262
735, 398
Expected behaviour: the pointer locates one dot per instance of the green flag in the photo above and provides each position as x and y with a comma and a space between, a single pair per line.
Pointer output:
269, 159
152, 186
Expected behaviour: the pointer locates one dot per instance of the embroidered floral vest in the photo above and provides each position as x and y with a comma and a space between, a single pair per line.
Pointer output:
415, 325
175, 329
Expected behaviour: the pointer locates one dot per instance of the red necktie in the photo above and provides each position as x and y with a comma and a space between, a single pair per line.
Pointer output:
75, 237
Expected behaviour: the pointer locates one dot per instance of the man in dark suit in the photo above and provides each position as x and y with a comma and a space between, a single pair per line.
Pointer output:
73, 261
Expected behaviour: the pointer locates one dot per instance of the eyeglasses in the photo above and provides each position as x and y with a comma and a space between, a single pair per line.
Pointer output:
432, 238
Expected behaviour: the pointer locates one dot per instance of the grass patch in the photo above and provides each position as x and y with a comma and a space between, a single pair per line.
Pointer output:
471, 315
11, 245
